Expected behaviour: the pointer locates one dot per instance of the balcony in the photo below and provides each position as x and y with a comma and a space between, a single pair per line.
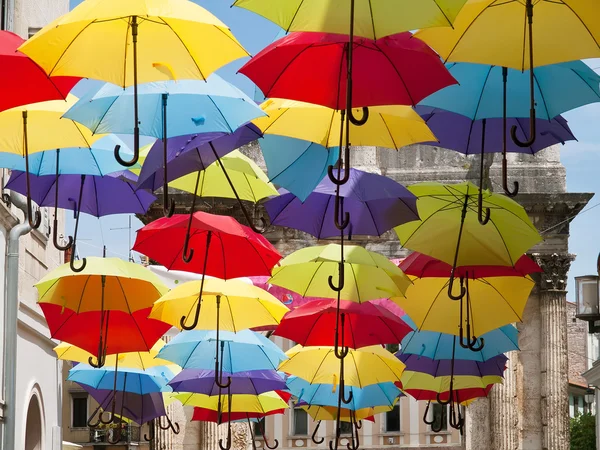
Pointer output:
103, 436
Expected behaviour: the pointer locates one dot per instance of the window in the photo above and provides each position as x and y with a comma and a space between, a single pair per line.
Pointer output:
300, 426
32, 30
346, 428
259, 427
440, 417
392, 420
79, 410
392, 347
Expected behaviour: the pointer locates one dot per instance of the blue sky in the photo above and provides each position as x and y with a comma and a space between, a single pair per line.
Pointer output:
581, 158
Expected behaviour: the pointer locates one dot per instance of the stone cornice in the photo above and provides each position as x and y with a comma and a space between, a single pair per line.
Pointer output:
555, 270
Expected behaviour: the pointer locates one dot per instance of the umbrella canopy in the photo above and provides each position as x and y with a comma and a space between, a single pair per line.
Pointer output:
312, 68
235, 251
202, 381
100, 196
210, 415
388, 126
557, 88
172, 42
136, 360
295, 164
249, 180
375, 203
190, 153
412, 380
289, 298
136, 407
244, 351
461, 134
98, 160
314, 324
193, 106
440, 208
459, 367
365, 366
231, 305
434, 345
382, 394
367, 275
372, 18
346, 415
152, 379
244, 403
480, 25
127, 287
25, 82
462, 396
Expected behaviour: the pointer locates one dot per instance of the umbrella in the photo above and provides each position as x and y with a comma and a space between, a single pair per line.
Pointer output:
365, 275
98, 196
254, 255
140, 408
481, 25
245, 351
210, 415
173, 37
435, 345
443, 367
311, 67
152, 379
289, 298
371, 203
295, 164
168, 108
371, 18
24, 81
365, 324
104, 286
447, 211
488, 92
37, 127
230, 305
202, 381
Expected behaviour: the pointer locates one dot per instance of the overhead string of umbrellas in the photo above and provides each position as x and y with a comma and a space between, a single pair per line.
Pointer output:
345, 74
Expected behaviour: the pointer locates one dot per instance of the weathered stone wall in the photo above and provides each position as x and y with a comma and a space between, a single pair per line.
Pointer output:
577, 335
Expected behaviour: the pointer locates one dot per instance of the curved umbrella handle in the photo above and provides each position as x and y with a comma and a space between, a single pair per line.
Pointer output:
97, 422
168, 212
152, 432
444, 402
362, 120
57, 245
463, 290
341, 279
174, 427
507, 191
313, 437
188, 253
346, 169
123, 162
437, 429
228, 446
72, 265
354, 442
425, 419
100, 361
196, 318
483, 220
532, 131
118, 434
275, 442
220, 383
348, 400
337, 206
33, 223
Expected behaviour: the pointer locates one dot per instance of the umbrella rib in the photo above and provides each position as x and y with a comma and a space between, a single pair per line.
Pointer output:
388, 130
487, 76
503, 242
324, 216
483, 280
82, 294
585, 82
450, 24
435, 299
379, 233
295, 14
355, 281
340, 73
412, 100
583, 23
235, 330
187, 49
187, 360
96, 162
68, 46
464, 33
312, 278
372, 19
96, 197
542, 95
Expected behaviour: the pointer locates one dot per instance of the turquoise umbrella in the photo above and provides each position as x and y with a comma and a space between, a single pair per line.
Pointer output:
166, 109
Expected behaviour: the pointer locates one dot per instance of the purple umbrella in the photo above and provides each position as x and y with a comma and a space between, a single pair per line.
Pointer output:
460, 133
375, 204
95, 195
443, 367
254, 382
137, 407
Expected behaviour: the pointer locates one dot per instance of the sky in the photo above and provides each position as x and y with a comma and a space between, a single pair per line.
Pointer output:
581, 159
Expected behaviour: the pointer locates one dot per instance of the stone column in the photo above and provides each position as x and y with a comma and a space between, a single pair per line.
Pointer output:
503, 410
554, 355
477, 425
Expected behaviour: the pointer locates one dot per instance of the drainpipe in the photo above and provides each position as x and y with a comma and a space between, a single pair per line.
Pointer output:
11, 308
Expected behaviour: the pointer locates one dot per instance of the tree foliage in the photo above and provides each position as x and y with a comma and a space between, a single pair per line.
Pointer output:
583, 432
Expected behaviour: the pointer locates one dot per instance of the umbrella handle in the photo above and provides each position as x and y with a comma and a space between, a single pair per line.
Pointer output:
346, 170
118, 434
77, 269
251, 433
314, 434
196, 318
97, 422
223, 386
341, 279
354, 442
507, 191
132, 161
57, 246
532, 131
173, 427
482, 220
228, 446
33, 223
168, 212
425, 420
188, 253
444, 402
337, 205
348, 400
463, 290
358, 424
436, 430
101, 360
362, 120
74, 244
152, 432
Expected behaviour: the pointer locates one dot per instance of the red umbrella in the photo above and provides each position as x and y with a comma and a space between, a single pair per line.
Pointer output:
219, 246
314, 324
423, 266
311, 67
23, 81
124, 332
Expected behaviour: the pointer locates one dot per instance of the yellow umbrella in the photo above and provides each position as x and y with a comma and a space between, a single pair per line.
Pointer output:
230, 305
330, 412
250, 182
365, 275
492, 302
493, 32
134, 360
388, 126
372, 18
105, 284
37, 127
367, 365
98, 39
245, 403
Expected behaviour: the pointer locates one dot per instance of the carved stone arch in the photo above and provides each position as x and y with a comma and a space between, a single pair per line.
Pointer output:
34, 430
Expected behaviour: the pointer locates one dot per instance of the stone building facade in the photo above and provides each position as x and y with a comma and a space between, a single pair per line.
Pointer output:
530, 411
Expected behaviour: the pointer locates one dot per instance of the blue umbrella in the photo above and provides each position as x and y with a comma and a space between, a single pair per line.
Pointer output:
242, 351
486, 92
167, 109
382, 394
296, 165
152, 379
